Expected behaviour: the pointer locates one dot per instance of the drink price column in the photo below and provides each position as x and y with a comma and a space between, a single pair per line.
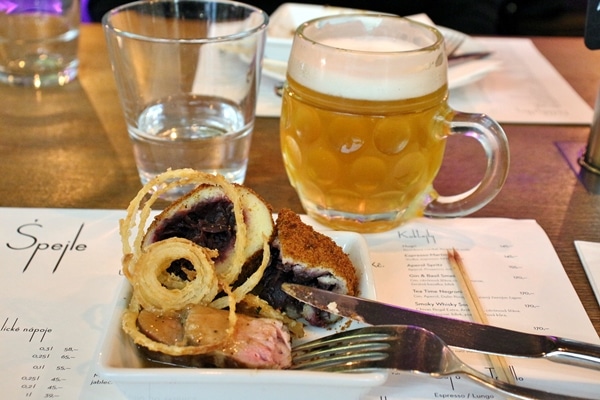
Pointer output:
42, 367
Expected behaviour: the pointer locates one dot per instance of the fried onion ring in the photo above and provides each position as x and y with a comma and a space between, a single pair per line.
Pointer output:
161, 184
154, 294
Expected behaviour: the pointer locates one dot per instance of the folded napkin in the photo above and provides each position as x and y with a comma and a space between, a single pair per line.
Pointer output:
589, 253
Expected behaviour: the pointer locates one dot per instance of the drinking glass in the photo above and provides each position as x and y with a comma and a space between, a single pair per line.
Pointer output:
365, 120
38, 42
187, 74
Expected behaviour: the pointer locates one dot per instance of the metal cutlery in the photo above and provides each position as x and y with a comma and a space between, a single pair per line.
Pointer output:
455, 59
400, 348
453, 41
454, 332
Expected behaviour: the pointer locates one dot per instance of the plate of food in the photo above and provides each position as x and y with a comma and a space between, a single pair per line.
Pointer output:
201, 313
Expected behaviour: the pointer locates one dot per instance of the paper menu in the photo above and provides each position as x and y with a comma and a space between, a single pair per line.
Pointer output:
520, 282
60, 276
525, 89
519, 287
589, 253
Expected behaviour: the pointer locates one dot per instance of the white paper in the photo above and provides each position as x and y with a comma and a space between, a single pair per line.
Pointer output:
58, 281
525, 89
60, 276
589, 253
519, 281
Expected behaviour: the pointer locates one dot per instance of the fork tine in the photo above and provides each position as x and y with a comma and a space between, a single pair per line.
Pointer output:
355, 361
342, 338
339, 350
400, 348
346, 350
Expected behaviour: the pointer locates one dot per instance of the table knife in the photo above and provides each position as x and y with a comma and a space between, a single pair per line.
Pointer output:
456, 59
455, 332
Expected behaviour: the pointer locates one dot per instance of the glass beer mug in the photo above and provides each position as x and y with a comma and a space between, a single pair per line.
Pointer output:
365, 121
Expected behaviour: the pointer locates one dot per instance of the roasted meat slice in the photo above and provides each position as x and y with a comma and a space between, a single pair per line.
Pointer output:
255, 342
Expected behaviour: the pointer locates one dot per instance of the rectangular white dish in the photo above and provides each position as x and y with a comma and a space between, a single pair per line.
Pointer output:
120, 363
284, 21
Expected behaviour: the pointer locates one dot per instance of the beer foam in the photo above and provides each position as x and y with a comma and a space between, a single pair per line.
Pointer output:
369, 69
370, 44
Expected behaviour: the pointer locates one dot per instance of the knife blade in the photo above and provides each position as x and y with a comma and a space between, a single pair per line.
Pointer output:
456, 59
455, 332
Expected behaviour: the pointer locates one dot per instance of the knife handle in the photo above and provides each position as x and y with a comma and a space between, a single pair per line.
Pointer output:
573, 352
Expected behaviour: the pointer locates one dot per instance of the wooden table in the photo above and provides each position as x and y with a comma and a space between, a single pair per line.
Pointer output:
68, 147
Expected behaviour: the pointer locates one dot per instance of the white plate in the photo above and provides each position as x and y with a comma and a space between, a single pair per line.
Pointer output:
120, 363
284, 21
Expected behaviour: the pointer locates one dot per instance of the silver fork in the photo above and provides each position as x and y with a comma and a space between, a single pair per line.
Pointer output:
401, 348
452, 41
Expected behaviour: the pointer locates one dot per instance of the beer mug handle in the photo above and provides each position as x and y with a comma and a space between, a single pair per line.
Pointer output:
492, 138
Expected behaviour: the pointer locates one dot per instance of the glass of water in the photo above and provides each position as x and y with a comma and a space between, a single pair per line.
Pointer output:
187, 74
38, 42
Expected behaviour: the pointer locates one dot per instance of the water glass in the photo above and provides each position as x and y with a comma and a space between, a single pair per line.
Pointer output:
38, 42
187, 74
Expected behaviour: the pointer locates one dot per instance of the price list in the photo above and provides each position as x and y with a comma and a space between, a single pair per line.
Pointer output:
44, 367
516, 275
58, 281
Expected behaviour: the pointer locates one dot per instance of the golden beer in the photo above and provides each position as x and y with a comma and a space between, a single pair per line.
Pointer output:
365, 119
363, 164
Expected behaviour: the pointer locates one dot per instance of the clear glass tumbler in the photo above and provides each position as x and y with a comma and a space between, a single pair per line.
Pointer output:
38, 42
187, 73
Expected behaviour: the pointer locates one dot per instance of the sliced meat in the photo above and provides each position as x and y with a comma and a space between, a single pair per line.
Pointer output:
161, 328
256, 342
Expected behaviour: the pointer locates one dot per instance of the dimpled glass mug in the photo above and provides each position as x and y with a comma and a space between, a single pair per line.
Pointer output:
365, 120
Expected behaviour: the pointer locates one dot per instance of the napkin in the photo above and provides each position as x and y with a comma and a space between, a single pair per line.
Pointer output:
589, 253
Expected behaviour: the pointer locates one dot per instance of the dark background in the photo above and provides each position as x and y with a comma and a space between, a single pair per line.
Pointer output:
479, 17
